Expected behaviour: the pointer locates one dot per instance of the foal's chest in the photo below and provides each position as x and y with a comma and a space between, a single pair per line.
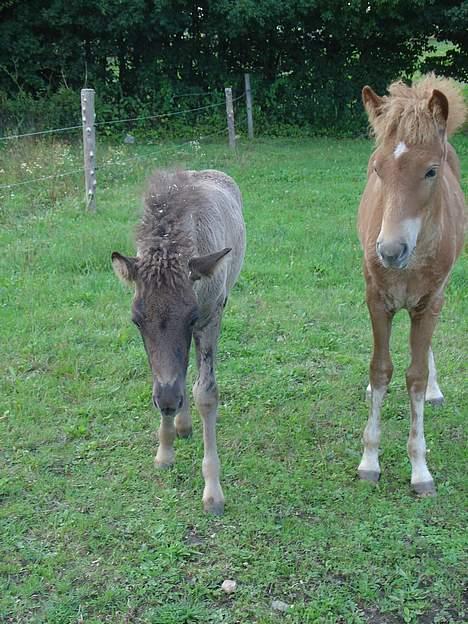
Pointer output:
410, 292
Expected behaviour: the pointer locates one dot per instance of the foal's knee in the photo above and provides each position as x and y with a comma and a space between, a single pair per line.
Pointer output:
380, 374
205, 395
416, 379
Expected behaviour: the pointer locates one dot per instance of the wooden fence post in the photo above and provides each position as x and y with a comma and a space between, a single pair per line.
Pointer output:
89, 146
230, 118
248, 100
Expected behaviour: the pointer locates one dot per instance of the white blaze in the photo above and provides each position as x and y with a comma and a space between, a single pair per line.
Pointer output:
411, 227
400, 149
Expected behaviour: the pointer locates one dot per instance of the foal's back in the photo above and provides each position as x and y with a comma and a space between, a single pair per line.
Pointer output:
217, 219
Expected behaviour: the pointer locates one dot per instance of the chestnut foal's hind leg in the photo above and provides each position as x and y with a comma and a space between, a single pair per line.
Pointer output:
205, 393
433, 392
422, 327
380, 374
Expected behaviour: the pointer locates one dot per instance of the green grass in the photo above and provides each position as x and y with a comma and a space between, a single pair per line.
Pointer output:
91, 533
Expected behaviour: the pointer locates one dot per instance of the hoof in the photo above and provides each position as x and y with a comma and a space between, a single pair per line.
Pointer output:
369, 475
184, 433
436, 402
163, 464
213, 508
427, 488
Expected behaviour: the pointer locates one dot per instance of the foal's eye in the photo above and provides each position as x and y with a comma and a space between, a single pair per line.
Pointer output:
431, 173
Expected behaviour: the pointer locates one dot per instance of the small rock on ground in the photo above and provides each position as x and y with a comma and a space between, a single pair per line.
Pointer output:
279, 605
229, 586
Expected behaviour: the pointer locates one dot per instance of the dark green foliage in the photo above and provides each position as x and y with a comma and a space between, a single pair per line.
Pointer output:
309, 58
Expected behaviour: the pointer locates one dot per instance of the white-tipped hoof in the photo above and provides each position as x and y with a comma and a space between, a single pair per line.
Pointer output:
369, 475
427, 488
215, 508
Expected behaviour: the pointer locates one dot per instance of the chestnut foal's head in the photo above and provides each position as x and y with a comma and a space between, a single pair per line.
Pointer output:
408, 162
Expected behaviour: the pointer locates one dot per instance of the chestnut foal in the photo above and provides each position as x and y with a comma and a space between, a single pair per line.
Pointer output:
411, 226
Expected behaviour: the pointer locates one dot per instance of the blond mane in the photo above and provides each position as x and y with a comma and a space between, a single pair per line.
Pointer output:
405, 115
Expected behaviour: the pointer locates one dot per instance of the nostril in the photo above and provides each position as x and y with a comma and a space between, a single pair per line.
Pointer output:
404, 251
181, 402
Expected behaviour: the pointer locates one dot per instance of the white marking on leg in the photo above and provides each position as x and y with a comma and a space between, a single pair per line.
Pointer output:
371, 437
207, 404
400, 149
368, 392
212, 494
433, 392
417, 442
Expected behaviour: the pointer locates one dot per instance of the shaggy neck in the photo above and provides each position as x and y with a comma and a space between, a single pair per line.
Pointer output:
164, 250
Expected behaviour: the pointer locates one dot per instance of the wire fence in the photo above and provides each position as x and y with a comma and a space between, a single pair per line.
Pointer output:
166, 151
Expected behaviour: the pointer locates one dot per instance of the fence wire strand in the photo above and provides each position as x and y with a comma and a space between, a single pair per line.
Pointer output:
49, 177
165, 152
136, 158
118, 121
29, 134
161, 115
112, 122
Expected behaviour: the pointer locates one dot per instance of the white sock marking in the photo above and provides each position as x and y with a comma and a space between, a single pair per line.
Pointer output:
371, 437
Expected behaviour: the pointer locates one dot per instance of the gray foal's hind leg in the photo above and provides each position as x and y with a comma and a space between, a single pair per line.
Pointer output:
205, 393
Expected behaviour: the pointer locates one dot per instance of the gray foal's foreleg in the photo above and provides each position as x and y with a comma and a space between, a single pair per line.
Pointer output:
167, 433
205, 393
169, 427
183, 420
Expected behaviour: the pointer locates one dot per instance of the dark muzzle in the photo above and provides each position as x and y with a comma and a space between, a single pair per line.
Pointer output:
168, 398
393, 254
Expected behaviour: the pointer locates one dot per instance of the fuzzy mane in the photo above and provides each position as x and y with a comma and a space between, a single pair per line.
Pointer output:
163, 235
405, 115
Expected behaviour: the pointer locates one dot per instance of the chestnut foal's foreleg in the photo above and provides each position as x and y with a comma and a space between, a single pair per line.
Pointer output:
205, 393
380, 374
422, 327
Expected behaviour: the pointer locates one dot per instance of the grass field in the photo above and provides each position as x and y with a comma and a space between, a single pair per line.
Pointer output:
91, 533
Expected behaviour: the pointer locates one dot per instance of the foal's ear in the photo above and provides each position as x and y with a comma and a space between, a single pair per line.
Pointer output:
204, 266
439, 107
372, 103
124, 267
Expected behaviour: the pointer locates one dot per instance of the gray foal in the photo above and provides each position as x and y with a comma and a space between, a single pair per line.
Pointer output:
190, 249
